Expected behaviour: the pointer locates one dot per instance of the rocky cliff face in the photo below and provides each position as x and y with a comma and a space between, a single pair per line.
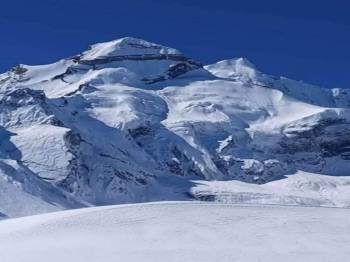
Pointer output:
130, 121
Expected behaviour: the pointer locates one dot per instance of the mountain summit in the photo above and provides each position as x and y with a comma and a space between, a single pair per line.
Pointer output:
130, 121
127, 46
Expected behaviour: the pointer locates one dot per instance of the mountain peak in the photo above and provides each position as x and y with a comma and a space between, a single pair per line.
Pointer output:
235, 67
127, 46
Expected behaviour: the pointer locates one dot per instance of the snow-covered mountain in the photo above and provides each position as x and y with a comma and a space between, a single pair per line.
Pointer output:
132, 121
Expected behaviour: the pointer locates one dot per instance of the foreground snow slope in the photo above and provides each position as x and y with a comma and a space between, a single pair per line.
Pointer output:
179, 232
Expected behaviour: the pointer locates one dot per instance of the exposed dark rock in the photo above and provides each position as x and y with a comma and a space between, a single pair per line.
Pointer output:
140, 131
19, 70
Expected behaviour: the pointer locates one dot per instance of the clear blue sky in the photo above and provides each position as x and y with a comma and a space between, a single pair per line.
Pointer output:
307, 40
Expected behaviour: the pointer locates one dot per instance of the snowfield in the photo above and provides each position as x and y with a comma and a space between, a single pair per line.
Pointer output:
179, 231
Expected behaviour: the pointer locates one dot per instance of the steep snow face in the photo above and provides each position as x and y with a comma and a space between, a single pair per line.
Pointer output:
130, 121
179, 231
23, 193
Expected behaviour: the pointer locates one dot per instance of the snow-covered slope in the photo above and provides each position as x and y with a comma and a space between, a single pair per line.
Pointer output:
302, 189
23, 193
179, 232
131, 121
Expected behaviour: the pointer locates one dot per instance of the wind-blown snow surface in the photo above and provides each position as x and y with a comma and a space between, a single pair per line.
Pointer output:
179, 232
132, 121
